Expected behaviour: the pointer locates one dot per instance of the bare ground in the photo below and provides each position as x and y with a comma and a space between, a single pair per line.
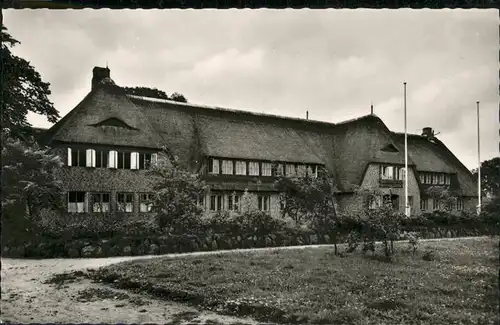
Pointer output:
26, 298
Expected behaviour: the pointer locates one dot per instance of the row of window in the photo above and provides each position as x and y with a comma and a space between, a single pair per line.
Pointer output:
220, 202
435, 178
392, 173
390, 200
424, 204
256, 168
110, 159
100, 202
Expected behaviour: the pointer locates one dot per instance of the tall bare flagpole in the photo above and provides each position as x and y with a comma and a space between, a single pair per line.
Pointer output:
478, 162
407, 208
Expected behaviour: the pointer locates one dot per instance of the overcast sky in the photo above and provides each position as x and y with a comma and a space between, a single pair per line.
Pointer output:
333, 63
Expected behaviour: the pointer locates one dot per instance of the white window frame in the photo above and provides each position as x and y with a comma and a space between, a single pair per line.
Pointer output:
69, 157
76, 206
154, 159
387, 172
264, 202
144, 206
218, 202
102, 207
234, 201
301, 170
124, 206
280, 170
227, 167
290, 170
113, 159
267, 169
214, 166
253, 168
134, 160
90, 161
241, 168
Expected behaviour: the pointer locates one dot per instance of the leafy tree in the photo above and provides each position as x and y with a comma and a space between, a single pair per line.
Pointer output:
490, 177
178, 97
29, 184
177, 193
380, 221
154, 93
311, 201
146, 92
446, 199
23, 91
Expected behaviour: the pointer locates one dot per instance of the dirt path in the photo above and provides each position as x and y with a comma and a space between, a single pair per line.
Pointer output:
27, 299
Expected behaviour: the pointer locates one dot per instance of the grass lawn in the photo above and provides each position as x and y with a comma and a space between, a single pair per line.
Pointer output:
313, 285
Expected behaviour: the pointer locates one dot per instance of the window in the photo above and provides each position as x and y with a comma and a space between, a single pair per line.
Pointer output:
234, 202
447, 179
460, 204
424, 204
400, 173
435, 204
216, 202
290, 170
278, 170
144, 160
264, 202
373, 202
125, 202
145, 202
241, 168
101, 160
227, 167
124, 159
301, 170
134, 160
267, 169
76, 202
312, 171
90, 155
410, 202
386, 172
77, 157
113, 159
422, 178
441, 179
100, 202
434, 179
213, 166
253, 168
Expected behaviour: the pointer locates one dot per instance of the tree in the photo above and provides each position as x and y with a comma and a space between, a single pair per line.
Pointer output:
177, 193
178, 98
146, 92
154, 93
23, 91
311, 202
490, 177
29, 184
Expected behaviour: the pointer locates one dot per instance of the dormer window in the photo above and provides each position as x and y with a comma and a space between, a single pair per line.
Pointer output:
435, 178
213, 166
253, 168
267, 169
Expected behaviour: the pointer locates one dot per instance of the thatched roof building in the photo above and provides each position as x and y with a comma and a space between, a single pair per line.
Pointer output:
109, 116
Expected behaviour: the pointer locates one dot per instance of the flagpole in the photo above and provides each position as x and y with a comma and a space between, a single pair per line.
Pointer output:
407, 208
479, 163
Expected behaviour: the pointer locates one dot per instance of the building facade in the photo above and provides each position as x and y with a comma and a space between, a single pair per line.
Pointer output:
110, 138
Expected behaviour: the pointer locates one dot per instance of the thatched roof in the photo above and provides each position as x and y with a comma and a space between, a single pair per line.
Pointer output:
86, 123
107, 115
434, 156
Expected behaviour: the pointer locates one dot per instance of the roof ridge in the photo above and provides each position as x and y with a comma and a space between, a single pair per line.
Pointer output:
230, 110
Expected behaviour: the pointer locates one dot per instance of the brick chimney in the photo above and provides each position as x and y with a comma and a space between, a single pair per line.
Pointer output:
98, 74
428, 132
